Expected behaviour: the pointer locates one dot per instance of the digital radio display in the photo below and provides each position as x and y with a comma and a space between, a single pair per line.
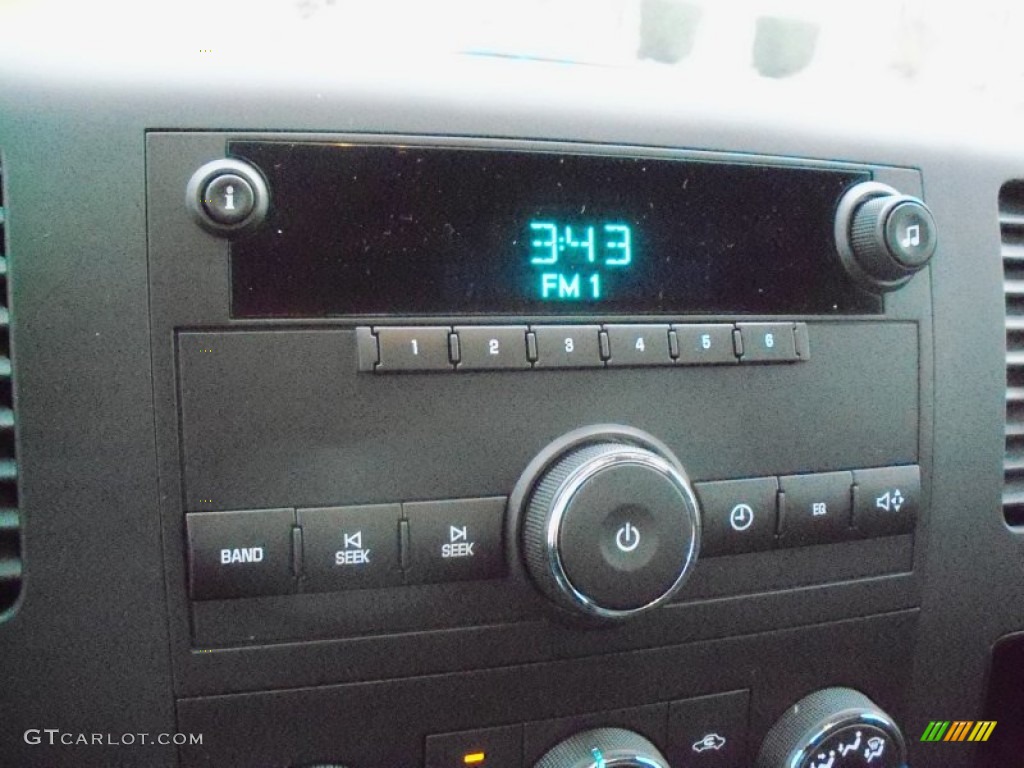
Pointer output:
365, 230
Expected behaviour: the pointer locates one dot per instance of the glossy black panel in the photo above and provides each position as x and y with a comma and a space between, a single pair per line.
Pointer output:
362, 229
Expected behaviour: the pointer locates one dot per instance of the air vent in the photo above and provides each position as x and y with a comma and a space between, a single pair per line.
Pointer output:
10, 521
1011, 227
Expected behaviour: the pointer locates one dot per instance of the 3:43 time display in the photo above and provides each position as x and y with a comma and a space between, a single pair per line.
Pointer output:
573, 257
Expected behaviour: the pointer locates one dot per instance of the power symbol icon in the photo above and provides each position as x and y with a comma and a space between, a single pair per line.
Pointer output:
628, 538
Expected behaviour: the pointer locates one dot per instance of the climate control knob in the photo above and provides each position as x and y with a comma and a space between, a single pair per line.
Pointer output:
610, 526
883, 237
604, 747
834, 728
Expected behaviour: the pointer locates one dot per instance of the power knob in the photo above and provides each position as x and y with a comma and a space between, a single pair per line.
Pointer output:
610, 525
604, 747
834, 728
883, 237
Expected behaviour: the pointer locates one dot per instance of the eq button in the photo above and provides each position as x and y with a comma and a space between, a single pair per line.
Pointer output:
815, 509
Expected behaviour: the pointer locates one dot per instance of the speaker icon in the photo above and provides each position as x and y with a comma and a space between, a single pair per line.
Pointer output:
890, 501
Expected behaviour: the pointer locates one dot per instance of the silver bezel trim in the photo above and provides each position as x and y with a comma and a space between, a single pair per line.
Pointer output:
564, 496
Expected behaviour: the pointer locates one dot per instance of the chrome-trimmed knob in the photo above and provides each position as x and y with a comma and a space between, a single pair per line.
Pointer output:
610, 528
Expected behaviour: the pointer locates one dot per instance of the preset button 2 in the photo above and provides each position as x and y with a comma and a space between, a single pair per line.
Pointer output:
492, 347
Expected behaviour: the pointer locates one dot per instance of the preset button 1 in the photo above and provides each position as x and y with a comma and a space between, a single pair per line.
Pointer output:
413, 349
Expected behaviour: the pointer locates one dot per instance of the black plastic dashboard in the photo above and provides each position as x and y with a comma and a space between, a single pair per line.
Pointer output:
200, 415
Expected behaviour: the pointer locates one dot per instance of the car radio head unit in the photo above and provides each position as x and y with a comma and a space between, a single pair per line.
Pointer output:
404, 229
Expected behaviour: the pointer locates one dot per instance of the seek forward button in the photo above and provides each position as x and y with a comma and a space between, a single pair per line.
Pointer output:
455, 540
350, 547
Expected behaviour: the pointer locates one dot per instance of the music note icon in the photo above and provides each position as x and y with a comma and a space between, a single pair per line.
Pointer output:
912, 238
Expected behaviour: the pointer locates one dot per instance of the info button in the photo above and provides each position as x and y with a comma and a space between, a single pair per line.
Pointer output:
455, 540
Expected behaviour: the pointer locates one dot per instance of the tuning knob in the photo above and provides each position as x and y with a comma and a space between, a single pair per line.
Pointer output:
604, 747
883, 237
610, 526
834, 728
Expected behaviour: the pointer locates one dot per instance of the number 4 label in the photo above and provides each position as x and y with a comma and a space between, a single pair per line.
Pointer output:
640, 345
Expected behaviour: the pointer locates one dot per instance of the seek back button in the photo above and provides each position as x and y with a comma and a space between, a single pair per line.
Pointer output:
350, 547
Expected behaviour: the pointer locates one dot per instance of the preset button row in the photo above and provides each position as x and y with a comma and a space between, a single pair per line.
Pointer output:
387, 349
249, 553
761, 513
